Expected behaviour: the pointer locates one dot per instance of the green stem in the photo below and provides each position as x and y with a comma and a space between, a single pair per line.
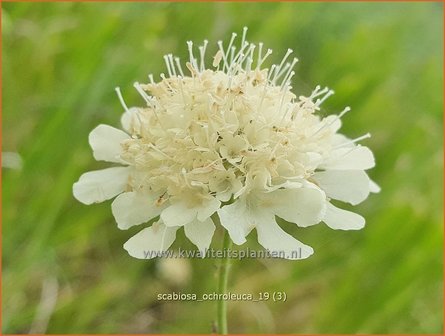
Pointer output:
222, 285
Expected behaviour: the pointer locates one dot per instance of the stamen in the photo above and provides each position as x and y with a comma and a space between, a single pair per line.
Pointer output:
192, 70
121, 99
167, 62
281, 72
289, 107
202, 51
260, 51
192, 58
244, 35
268, 53
270, 73
289, 51
291, 66
232, 39
317, 92
172, 64
178, 65
249, 65
147, 99
232, 54
248, 53
360, 138
236, 60
342, 113
150, 77
326, 96
143, 94
287, 79
217, 59
166, 82
229, 47
223, 55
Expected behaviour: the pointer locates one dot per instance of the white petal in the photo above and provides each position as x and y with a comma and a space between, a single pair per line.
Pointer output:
224, 196
208, 209
133, 208
303, 206
374, 187
178, 214
285, 185
350, 186
312, 159
235, 219
150, 242
200, 233
100, 185
106, 143
357, 158
277, 241
342, 141
334, 122
340, 219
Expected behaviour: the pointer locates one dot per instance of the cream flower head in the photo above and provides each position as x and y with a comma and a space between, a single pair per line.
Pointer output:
231, 141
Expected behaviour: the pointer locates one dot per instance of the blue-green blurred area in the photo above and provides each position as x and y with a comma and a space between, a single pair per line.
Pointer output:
64, 269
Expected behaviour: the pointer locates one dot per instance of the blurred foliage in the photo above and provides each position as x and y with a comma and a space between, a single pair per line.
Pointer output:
61, 62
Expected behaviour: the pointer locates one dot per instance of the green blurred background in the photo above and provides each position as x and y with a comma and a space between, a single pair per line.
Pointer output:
64, 269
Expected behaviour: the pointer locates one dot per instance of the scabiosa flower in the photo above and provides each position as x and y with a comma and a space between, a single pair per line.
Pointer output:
231, 141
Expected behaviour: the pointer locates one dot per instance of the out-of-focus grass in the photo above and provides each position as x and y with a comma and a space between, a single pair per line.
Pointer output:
61, 62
